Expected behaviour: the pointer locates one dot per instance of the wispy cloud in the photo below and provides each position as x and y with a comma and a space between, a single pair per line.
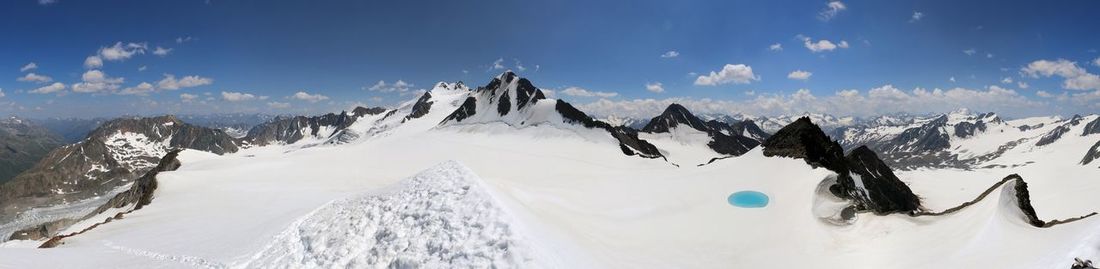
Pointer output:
832, 9
670, 54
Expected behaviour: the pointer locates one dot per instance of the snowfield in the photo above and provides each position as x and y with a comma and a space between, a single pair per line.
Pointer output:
530, 191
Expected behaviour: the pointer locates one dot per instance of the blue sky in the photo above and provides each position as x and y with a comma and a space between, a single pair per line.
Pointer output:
1018, 58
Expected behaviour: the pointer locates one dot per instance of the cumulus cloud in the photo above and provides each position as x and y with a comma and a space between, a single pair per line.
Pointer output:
776, 47
876, 101
141, 89
36, 78
52, 88
670, 54
278, 105
831, 10
1075, 77
823, 45
312, 98
237, 96
93, 62
730, 73
799, 75
655, 87
159, 51
29, 66
382, 86
581, 92
187, 97
95, 81
120, 52
169, 82
1094, 62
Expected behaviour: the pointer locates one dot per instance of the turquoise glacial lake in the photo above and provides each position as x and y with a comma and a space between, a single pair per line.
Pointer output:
748, 199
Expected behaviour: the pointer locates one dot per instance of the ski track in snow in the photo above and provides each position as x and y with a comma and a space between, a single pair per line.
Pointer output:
184, 259
440, 218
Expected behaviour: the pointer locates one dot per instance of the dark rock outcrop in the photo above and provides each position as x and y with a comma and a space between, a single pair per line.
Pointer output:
139, 195
467, 109
861, 176
725, 139
627, 137
363, 111
928, 137
1092, 127
1053, 135
1092, 154
421, 107
109, 157
292, 129
967, 129
1023, 202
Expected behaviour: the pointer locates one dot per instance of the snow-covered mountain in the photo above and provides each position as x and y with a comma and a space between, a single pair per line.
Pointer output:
501, 176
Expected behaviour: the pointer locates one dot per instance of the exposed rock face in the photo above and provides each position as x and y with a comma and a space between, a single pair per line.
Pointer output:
931, 136
422, 106
467, 109
627, 137
111, 156
22, 144
363, 111
1092, 127
139, 195
967, 129
673, 116
861, 176
804, 140
1053, 135
880, 189
725, 139
750, 129
292, 129
1092, 154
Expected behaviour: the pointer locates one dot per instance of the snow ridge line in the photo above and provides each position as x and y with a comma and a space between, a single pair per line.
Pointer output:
1033, 218
294, 229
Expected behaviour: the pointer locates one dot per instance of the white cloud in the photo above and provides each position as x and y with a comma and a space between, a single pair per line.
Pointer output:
120, 52
831, 10
1094, 62
498, 64
278, 105
47, 2
187, 97
776, 47
917, 15
670, 54
1044, 94
970, 51
237, 96
95, 81
36, 78
799, 75
93, 62
877, 101
730, 73
159, 51
181, 40
2, 94
581, 92
52, 88
655, 87
29, 66
142, 68
382, 86
141, 89
1006, 80
989, 55
171, 83
823, 45
519, 65
952, 79
1076, 78
312, 98
1022, 85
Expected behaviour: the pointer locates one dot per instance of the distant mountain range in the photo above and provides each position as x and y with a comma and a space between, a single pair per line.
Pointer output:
110, 155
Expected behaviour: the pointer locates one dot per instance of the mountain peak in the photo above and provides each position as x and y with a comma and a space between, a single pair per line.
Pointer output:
673, 116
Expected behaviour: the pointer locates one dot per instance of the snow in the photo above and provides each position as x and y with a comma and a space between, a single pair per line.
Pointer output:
682, 145
441, 217
420, 194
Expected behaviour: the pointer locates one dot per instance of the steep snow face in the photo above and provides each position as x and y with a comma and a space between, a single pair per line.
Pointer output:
442, 217
132, 150
682, 145
507, 99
